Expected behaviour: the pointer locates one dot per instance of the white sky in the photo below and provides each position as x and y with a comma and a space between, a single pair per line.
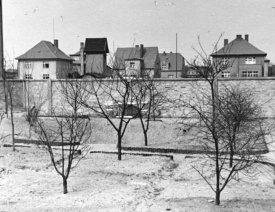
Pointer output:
129, 22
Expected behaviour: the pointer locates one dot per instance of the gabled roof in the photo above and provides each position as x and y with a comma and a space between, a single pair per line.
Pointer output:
149, 56
44, 50
172, 59
238, 47
96, 45
76, 54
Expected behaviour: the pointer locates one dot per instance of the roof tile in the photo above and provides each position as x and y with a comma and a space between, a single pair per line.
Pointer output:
239, 46
44, 50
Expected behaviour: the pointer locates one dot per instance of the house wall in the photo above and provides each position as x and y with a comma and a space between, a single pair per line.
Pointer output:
95, 63
171, 74
37, 70
56, 70
238, 65
63, 68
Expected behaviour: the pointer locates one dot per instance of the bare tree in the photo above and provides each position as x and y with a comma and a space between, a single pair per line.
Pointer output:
69, 129
148, 100
223, 118
238, 114
112, 101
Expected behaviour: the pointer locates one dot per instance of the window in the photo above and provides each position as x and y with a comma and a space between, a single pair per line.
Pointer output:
28, 76
250, 60
46, 64
132, 65
250, 74
27, 65
46, 76
165, 66
225, 74
170, 76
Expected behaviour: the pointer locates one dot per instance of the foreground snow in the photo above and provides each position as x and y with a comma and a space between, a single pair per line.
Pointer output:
101, 183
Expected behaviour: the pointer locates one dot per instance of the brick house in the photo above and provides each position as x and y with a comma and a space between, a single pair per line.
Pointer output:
137, 61
91, 60
45, 60
172, 65
245, 59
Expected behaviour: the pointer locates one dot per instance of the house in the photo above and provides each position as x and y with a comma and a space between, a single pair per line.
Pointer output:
137, 61
245, 59
91, 60
172, 65
45, 60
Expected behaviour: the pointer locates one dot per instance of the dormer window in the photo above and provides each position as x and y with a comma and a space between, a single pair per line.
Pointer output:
250, 60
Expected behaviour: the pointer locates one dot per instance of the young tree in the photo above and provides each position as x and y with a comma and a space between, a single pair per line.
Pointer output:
238, 114
10, 88
223, 117
71, 130
112, 101
147, 99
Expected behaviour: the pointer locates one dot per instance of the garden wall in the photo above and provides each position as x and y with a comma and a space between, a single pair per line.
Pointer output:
48, 95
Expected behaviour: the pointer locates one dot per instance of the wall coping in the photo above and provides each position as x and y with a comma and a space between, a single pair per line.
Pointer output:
155, 79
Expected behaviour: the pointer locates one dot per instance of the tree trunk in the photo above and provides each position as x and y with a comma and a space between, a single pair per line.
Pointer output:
119, 140
231, 155
145, 138
218, 197
232, 147
12, 123
65, 186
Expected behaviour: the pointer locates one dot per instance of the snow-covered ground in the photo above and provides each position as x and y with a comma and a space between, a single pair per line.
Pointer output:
28, 182
101, 183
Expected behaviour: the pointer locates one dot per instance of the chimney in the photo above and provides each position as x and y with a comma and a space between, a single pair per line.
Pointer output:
55, 42
239, 37
246, 37
82, 45
141, 50
81, 58
266, 65
225, 42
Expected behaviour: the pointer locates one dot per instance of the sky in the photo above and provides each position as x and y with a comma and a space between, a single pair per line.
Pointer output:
126, 23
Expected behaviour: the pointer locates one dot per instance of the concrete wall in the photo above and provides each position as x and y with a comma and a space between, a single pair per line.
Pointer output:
49, 94
18, 93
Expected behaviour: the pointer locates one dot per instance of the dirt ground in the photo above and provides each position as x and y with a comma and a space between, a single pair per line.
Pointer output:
28, 182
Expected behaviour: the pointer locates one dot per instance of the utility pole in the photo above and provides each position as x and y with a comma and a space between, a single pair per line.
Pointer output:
176, 55
1, 43
2, 71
